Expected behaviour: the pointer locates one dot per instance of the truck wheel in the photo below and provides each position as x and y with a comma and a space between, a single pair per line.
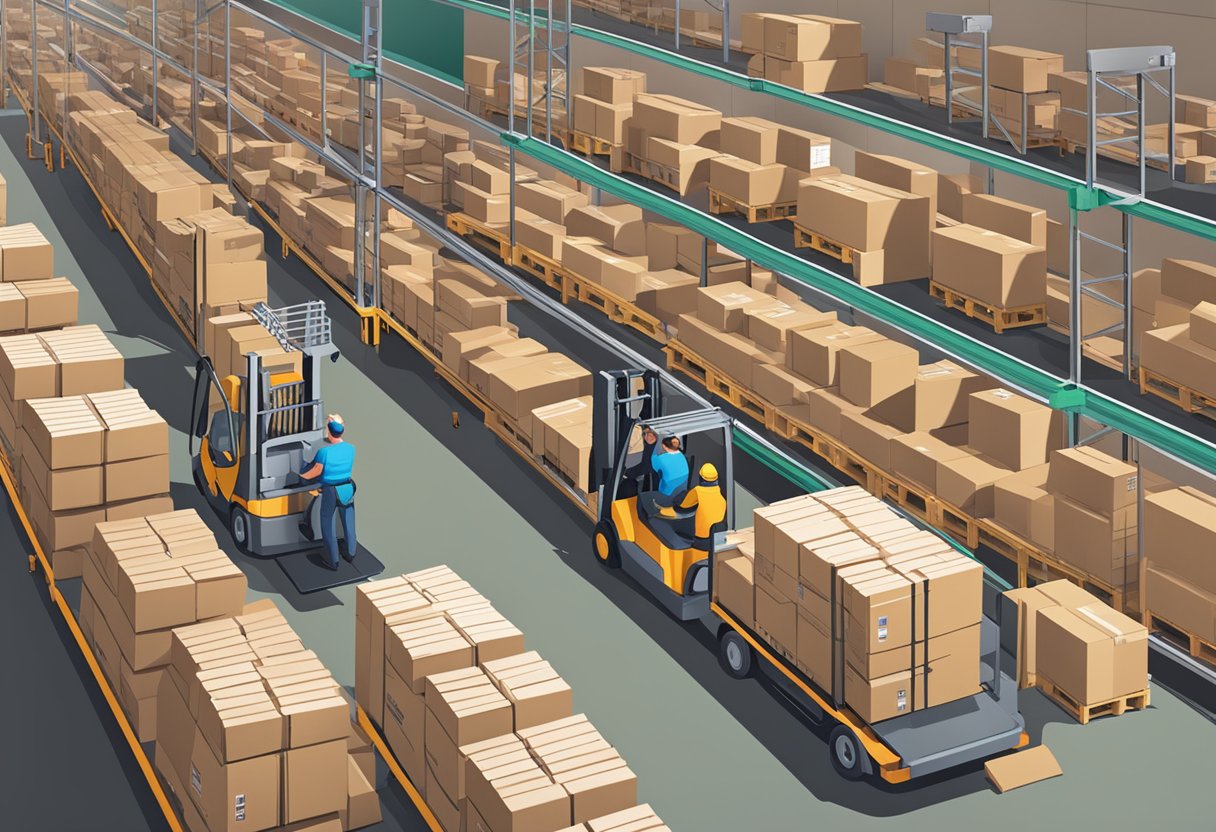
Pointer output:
735, 654
606, 545
238, 527
847, 752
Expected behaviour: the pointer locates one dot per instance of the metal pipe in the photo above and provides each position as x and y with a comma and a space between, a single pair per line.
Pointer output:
569, 70
324, 100
1173, 127
726, 51
228, 89
378, 153
35, 121
950, 82
4, 52
1139, 514
194, 87
677, 25
511, 193
984, 93
1075, 332
1091, 148
549, 74
511, 67
531, 44
155, 68
1128, 303
1169, 151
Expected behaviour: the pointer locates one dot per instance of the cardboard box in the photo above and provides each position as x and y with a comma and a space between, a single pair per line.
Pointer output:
1020, 69
1013, 219
1179, 602
667, 293
967, 483
613, 84
938, 397
548, 199
312, 781
914, 456
234, 796
1093, 653
25, 254
813, 353
1175, 523
836, 75
951, 190
676, 119
1098, 545
540, 380
735, 583
1016, 770
1009, 428
810, 38
899, 174
1171, 352
536, 693
45, 304
750, 138
873, 372
1094, 479
769, 326
751, 183
1023, 505
725, 306
1188, 281
619, 227
990, 267
803, 150
1201, 170
777, 622
900, 73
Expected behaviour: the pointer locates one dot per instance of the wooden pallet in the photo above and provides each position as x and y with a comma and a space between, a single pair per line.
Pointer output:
1113, 152
805, 238
999, 318
720, 203
1186, 398
955, 522
545, 269
683, 360
588, 145
493, 240
795, 430
911, 498
1198, 648
1036, 566
616, 309
1083, 713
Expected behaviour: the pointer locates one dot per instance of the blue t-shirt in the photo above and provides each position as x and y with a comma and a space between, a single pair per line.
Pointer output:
672, 468
338, 461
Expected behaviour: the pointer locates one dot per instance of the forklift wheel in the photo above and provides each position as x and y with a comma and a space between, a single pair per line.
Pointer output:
847, 753
238, 527
735, 654
606, 546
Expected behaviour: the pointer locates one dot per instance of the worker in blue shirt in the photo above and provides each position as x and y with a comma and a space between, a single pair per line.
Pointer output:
333, 463
668, 461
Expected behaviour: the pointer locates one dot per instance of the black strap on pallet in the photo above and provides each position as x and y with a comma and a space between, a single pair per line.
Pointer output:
912, 662
837, 666
925, 584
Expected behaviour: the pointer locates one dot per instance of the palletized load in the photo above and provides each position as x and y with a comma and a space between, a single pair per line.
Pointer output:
253, 730
849, 592
144, 575
606, 102
1081, 652
808, 52
1178, 589
485, 730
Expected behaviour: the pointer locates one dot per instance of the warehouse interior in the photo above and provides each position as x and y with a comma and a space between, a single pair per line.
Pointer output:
456, 486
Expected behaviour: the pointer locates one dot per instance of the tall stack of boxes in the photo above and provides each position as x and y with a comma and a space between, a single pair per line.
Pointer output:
31, 297
468, 713
142, 577
1078, 644
989, 266
671, 140
1180, 343
607, 101
811, 53
762, 162
1177, 579
833, 579
1095, 513
1018, 87
253, 730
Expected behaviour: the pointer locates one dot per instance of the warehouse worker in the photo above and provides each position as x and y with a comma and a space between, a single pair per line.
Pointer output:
334, 462
668, 461
710, 504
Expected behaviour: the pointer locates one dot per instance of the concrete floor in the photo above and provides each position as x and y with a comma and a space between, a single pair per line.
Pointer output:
711, 753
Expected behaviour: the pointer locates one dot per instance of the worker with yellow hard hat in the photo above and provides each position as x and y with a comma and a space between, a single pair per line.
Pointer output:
710, 504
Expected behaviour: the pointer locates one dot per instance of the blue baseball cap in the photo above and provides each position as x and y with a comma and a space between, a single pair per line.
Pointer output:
336, 428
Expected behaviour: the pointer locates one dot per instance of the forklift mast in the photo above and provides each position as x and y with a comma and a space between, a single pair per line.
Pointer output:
283, 418
622, 399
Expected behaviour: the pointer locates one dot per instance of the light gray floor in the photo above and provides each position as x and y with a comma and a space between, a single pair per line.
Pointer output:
711, 753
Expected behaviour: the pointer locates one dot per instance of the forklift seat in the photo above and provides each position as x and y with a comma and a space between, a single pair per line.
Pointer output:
668, 531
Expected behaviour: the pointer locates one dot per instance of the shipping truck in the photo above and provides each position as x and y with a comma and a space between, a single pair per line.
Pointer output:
674, 560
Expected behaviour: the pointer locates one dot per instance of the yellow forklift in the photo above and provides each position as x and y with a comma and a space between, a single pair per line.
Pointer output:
659, 549
252, 434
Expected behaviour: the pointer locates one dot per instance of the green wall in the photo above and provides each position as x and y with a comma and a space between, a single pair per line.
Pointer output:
421, 31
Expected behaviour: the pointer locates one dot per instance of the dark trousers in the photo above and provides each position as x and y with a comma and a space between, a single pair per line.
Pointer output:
329, 508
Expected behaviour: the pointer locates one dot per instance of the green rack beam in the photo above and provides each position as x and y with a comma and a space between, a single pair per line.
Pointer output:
1151, 211
1057, 392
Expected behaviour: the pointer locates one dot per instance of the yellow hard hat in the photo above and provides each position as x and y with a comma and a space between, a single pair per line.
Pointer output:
709, 473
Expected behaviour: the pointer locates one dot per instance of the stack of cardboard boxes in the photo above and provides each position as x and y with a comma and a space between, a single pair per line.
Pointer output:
923, 74
671, 140
447, 677
1018, 84
638, 819
832, 580
1078, 644
1095, 513
31, 297
1177, 578
762, 162
253, 731
142, 577
997, 256
209, 263
886, 228
607, 101
561, 435
808, 52
1180, 344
